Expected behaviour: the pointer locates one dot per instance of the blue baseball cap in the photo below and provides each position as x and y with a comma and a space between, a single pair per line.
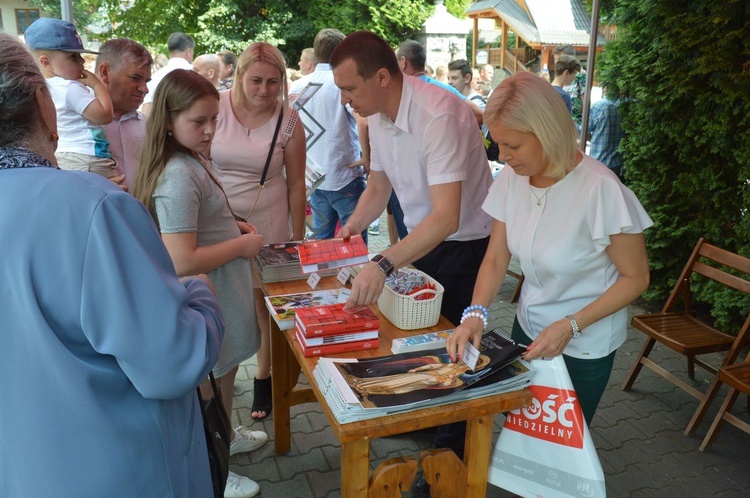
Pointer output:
48, 33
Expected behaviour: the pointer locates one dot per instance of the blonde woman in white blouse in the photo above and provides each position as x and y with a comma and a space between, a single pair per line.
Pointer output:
576, 231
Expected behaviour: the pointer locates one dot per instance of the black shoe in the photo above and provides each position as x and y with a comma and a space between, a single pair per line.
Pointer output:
420, 486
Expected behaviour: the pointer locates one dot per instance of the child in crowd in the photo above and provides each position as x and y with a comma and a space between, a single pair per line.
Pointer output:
175, 180
82, 143
566, 68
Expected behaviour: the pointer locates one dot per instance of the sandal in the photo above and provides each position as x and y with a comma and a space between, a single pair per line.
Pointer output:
262, 401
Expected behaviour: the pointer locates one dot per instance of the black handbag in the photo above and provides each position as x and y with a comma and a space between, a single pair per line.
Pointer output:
218, 429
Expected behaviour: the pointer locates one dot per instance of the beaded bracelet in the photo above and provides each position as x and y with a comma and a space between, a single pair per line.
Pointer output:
474, 311
478, 307
474, 314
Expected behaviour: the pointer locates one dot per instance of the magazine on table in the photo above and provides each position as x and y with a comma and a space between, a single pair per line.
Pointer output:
278, 262
348, 409
282, 307
373, 387
271, 255
411, 377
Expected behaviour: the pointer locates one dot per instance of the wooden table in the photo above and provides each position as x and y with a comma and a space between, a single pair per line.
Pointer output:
287, 361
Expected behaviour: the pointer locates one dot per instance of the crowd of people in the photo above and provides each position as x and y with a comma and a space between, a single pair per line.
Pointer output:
177, 177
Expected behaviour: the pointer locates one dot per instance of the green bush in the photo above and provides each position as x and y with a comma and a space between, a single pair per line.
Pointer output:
684, 68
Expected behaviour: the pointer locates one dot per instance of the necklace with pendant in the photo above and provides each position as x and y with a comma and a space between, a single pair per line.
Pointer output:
539, 198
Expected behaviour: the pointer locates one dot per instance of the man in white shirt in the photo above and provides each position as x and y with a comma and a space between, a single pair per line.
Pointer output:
308, 61
336, 149
426, 146
180, 48
124, 66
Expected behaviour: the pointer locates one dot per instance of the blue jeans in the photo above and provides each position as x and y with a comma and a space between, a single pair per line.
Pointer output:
330, 206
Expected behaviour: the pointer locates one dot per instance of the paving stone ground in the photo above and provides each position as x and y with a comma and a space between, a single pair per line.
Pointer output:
638, 434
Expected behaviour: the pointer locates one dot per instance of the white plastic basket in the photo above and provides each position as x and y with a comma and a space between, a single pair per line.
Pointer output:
408, 313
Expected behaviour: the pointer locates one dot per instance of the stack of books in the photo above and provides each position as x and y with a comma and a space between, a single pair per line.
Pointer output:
319, 255
374, 387
279, 262
330, 329
292, 260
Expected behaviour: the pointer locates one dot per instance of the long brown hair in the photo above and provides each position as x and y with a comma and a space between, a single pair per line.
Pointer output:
176, 93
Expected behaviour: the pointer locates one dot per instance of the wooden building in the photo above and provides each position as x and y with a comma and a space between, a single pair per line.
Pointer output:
539, 26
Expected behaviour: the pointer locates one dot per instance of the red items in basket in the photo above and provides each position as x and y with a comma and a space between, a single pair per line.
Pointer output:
409, 282
426, 295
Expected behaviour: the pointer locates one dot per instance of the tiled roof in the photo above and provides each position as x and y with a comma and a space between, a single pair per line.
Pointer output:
552, 22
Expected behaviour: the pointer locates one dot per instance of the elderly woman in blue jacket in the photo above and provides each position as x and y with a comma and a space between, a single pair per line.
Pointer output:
103, 346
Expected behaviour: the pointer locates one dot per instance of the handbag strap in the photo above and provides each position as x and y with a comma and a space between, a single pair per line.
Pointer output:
265, 169
270, 150
200, 396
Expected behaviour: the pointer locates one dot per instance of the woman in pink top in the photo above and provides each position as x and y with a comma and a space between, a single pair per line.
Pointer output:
248, 116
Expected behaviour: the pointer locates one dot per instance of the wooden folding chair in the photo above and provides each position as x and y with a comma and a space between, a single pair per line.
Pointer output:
737, 377
679, 329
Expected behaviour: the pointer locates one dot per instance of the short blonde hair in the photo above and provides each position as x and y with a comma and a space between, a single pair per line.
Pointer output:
527, 103
260, 52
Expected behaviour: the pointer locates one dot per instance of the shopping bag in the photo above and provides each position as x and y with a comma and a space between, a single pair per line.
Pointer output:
545, 449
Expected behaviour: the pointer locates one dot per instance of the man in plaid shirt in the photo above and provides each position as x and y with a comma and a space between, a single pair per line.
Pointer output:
605, 129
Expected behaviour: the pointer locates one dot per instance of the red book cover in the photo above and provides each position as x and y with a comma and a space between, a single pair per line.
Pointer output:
327, 340
319, 255
343, 347
331, 319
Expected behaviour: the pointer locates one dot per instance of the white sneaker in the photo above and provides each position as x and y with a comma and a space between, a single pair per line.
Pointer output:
246, 440
240, 486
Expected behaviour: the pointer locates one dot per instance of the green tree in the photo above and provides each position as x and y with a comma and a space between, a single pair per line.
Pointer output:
289, 24
215, 25
685, 70
85, 12
395, 20
458, 7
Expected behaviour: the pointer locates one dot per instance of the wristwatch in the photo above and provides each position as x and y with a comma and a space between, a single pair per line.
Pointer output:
384, 264
576, 329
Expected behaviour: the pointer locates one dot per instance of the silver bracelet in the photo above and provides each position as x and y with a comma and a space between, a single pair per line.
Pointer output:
576, 329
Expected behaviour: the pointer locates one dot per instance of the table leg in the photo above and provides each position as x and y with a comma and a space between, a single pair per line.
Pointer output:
355, 468
477, 455
282, 385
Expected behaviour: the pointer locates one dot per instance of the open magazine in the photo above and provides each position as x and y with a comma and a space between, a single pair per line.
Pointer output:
411, 377
363, 389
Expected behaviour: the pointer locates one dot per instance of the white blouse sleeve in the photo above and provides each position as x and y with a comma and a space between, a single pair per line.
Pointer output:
612, 209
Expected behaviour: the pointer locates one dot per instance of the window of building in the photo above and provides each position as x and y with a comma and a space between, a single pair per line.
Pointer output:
24, 18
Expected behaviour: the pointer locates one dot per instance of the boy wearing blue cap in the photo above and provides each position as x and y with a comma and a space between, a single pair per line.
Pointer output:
82, 143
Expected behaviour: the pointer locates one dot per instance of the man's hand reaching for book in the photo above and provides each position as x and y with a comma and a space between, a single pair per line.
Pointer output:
367, 286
